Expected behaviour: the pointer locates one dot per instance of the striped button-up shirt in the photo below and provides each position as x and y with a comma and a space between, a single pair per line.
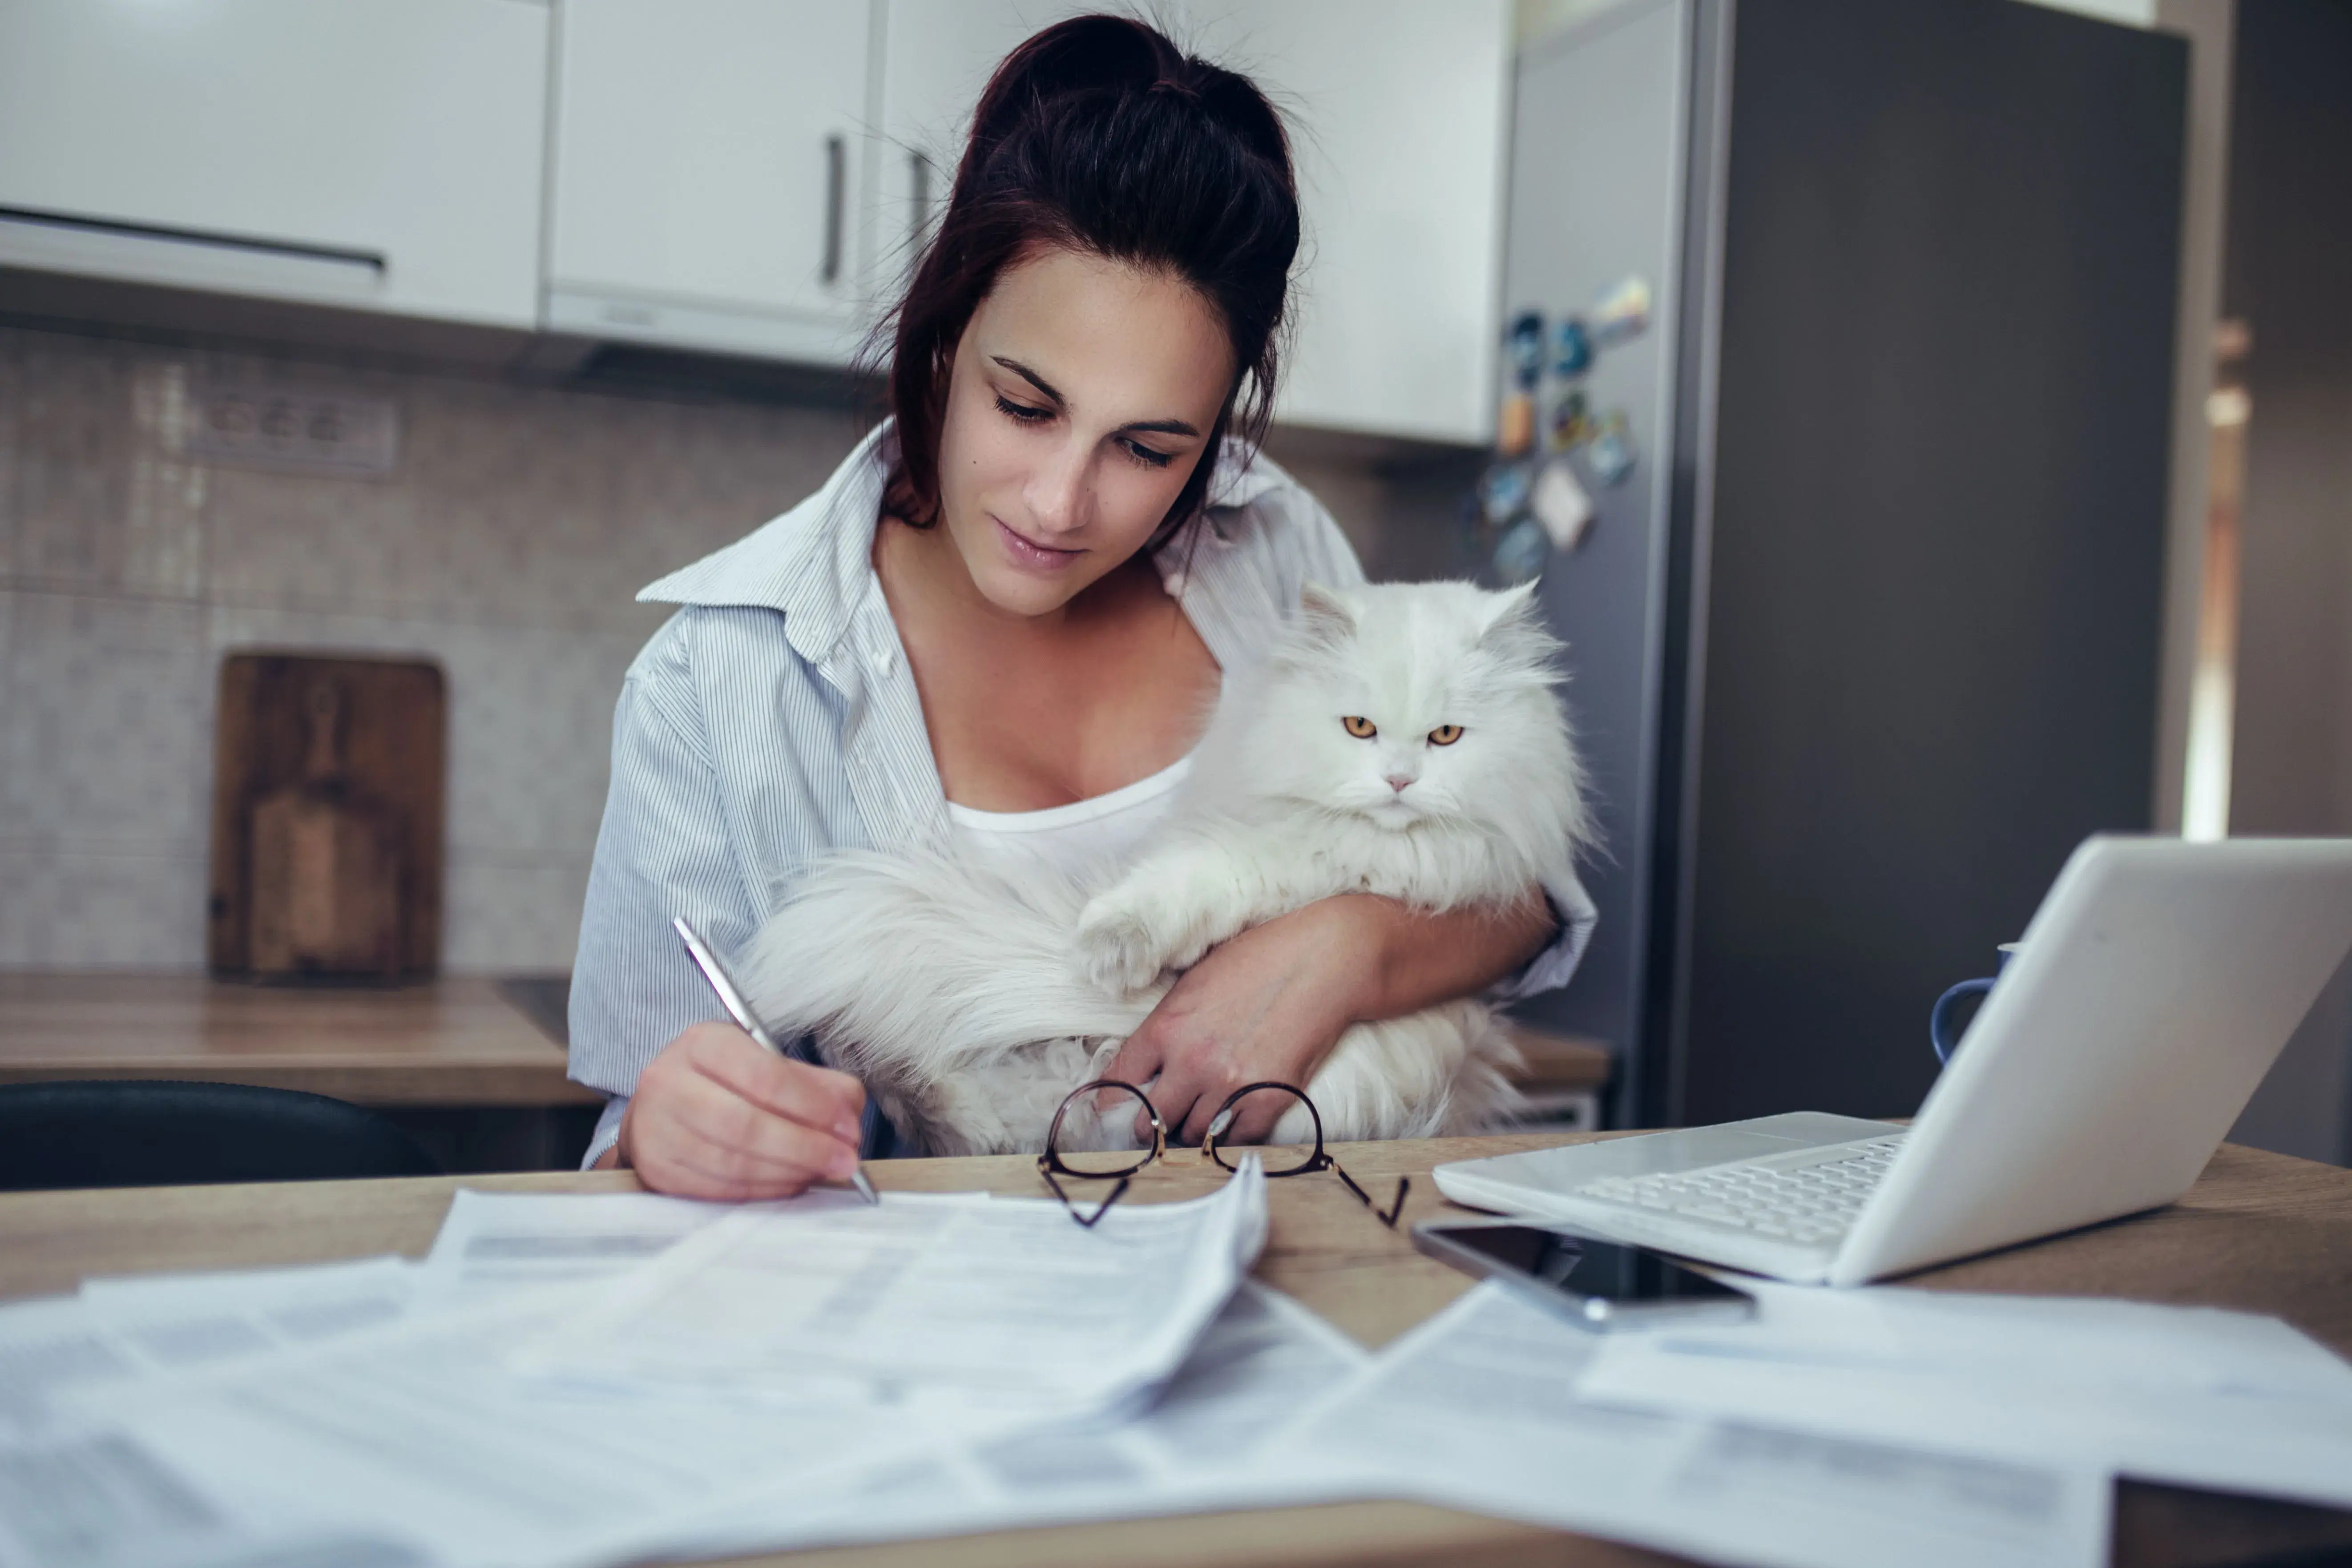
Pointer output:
774, 718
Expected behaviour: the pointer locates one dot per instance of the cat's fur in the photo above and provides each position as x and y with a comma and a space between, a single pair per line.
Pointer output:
971, 1000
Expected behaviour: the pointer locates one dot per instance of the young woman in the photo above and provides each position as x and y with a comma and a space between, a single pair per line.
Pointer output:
1004, 619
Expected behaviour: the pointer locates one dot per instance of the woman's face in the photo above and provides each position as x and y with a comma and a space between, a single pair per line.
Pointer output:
1082, 394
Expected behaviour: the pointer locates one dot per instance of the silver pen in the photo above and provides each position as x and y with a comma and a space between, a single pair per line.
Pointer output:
739, 1010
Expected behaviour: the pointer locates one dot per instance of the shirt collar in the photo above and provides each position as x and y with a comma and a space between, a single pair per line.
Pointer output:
814, 562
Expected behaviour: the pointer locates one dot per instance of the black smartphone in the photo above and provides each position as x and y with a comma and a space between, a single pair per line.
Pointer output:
1598, 1285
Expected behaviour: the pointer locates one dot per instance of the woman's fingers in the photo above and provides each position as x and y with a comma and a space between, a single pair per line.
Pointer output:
1255, 1117
813, 1096
1138, 1060
756, 1143
702, 1140
716, 1116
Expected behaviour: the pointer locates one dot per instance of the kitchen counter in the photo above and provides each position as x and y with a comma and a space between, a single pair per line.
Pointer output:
456, 1042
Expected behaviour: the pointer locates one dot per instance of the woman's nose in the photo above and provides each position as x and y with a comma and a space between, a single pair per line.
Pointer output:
1058, 492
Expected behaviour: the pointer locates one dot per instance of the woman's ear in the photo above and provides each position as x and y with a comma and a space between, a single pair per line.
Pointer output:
1325, 612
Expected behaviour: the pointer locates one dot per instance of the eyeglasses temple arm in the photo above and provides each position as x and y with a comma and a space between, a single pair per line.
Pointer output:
1404, 1187
1101, 1210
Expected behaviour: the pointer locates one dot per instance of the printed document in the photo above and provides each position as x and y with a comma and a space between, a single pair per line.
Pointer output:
2192, 1396
999, 1302
1204, 1441
1479, 1408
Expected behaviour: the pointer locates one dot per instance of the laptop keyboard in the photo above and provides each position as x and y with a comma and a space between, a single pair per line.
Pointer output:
1807, 1204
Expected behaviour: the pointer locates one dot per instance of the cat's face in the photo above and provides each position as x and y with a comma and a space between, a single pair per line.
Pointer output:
1406, 703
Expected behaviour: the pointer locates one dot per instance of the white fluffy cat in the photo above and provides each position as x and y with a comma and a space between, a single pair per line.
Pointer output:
1401, 740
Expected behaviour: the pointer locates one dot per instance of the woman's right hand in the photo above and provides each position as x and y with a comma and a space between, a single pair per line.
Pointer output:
715, 1116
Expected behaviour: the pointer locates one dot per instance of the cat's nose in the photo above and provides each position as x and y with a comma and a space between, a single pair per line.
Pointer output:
1398, 781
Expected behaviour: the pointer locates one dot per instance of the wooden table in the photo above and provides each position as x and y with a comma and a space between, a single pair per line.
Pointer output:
2258, 1231
443, 1043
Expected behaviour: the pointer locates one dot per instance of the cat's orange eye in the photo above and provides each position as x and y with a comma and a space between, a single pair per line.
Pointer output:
1362, 729
1445, 734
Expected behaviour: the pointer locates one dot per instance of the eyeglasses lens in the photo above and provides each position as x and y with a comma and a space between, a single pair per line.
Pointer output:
1283, 1109
1077, 1139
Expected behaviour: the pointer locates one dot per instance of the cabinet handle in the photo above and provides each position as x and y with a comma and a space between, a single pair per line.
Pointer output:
836, 183
919, 176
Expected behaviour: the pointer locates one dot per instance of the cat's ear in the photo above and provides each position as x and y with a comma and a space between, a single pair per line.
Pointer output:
1510, 608
1325, 612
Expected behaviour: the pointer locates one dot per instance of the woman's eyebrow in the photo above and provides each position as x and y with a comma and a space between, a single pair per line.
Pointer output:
1047, 390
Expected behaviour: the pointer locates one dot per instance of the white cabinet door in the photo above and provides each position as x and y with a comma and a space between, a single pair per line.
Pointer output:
937, 56
1399, 111
378, 153
1399, 116
708, 163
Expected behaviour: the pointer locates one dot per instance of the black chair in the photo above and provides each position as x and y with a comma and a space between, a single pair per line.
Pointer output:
137, 1133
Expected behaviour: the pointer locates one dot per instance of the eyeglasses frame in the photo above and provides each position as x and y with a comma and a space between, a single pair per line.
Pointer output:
1050, 1164
1320, 1159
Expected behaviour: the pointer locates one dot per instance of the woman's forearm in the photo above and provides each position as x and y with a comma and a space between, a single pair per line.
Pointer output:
1421, 959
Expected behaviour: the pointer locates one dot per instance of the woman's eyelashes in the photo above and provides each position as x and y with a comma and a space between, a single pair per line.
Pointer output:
1031, 414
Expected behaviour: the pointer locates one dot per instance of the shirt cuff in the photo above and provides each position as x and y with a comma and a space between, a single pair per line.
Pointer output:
608, 1130
1550, 970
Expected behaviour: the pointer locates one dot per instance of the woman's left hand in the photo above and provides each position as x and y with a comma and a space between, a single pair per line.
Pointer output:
1269, 1003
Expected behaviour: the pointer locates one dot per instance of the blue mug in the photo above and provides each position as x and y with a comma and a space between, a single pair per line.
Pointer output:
1939, 1018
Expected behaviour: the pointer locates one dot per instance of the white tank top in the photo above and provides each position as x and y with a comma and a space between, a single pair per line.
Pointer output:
1104, 829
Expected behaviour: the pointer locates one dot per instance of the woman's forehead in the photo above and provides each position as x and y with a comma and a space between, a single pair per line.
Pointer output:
1119, 343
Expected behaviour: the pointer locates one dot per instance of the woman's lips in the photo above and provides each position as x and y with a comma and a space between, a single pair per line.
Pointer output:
1036, 557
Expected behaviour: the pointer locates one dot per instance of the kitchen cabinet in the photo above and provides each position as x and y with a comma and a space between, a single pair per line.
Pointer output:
383, 154
710, 167
743, 176
937, 56
1398, 115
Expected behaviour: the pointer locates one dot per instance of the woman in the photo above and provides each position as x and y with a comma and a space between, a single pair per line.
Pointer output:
1004, 619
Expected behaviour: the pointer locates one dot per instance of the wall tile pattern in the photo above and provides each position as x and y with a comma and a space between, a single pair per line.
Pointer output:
507, 543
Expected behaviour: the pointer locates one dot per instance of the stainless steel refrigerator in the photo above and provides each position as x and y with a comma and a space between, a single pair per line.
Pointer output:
1866, 637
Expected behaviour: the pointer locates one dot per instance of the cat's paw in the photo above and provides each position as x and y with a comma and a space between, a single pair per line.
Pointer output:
1117, 947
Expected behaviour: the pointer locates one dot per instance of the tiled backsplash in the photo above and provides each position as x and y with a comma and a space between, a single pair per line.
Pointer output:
507, 543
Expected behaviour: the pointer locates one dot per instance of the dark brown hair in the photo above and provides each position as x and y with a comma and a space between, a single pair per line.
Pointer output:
1101, 136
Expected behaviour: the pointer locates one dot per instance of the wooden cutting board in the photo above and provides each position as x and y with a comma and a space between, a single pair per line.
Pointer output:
327, 817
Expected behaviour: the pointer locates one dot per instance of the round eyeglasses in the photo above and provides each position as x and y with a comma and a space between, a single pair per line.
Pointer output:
1118, 1165
1121, 1166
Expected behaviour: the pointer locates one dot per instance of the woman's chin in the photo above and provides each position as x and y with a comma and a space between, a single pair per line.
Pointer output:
1021, 593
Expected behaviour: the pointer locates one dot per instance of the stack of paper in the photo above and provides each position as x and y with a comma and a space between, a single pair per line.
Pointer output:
383, 1413
569, 1381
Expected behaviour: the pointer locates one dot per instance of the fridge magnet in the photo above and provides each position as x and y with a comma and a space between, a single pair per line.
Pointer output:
1526, 339
1612, 451
1572, 420
1514, 430
1502, 492
1560, 505
1573, 350
1620, 314
1520, 555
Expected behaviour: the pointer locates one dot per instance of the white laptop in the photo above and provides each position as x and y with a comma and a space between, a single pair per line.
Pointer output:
2156, 985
